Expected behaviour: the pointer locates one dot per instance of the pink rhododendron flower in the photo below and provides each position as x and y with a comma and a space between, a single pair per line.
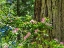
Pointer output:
61, 42
5, 46
32, 21
56, 39
36, 31
15, 30
27, 35
43, 20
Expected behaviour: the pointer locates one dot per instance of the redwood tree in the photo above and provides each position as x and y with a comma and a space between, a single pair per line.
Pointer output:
54, 9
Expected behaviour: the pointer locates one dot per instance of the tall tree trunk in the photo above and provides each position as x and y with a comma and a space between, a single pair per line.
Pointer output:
37, 9
54, 9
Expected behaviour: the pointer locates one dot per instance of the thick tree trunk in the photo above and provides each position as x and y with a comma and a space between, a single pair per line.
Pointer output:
54, 9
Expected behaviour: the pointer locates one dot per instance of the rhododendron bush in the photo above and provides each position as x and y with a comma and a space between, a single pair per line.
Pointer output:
24, 32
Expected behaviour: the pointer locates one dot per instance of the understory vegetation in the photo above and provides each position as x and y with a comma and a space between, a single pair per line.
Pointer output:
23, 31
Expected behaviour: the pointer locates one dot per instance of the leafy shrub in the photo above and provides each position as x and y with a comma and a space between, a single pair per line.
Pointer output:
24, 32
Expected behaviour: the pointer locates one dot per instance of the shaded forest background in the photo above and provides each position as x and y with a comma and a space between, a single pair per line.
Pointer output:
18, 7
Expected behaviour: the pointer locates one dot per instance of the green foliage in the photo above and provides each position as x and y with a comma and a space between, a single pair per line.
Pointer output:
23, 31
36, 32
25, 7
